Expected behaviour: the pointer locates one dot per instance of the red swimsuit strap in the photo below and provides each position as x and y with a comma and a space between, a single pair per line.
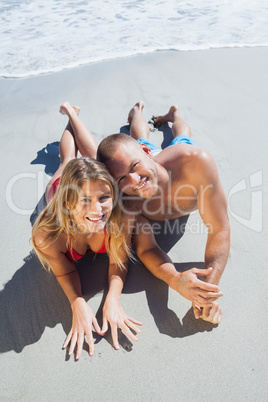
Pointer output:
75, 256
53, 188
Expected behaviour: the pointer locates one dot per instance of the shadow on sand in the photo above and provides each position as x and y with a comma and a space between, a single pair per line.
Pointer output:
32, 299
48, 156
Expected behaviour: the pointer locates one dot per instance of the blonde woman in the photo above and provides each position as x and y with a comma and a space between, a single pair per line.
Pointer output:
82, 216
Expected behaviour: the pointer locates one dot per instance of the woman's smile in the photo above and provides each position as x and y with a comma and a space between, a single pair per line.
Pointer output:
94, 206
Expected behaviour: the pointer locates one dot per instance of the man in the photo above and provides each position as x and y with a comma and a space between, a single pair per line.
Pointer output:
167, 185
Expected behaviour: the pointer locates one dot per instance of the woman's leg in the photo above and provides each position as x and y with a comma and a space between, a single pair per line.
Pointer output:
68, 151
84, 139
179, 126
138, 126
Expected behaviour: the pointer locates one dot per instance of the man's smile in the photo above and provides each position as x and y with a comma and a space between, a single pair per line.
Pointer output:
143, 183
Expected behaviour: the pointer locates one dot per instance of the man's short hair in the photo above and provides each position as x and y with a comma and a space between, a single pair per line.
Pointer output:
109, 145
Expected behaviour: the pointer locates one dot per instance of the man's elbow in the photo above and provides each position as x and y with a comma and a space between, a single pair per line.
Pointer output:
223, 228
143, 252
221, 234
227, 230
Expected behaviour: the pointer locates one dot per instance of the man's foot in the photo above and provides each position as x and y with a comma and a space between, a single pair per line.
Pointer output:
169, 117
67, 109
138, 107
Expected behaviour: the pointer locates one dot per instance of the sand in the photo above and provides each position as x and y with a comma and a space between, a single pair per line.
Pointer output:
222, 94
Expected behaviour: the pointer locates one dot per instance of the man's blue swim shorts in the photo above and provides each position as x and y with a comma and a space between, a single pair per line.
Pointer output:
181, 139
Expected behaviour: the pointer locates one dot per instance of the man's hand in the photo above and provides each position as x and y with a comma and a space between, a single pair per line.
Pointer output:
115, 316
83, 320
210, 313
189, 286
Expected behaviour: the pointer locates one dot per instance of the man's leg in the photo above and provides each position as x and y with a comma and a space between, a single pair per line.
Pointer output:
138, 126
84, 139
179, 126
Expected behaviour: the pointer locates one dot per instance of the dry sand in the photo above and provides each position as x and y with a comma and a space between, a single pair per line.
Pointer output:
222, 94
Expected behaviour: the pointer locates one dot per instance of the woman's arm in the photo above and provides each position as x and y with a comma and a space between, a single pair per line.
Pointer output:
69, 280
112, 310
83, 316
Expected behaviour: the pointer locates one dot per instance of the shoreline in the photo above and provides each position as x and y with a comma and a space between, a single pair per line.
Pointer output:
87, 63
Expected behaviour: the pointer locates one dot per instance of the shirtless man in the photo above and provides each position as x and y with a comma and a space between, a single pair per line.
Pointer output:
167, 185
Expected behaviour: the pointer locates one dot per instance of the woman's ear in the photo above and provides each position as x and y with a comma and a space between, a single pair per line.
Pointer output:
147, 150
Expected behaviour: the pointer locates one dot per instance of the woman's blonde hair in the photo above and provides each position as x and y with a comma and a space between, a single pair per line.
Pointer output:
56, 219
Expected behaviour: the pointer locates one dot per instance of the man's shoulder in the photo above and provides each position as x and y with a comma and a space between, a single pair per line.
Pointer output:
189, 164
181, 154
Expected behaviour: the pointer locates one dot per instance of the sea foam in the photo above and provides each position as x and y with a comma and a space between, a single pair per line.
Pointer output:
40, 37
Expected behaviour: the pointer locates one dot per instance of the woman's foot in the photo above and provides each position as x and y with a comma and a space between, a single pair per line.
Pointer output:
138, 107
169, 117
67, 109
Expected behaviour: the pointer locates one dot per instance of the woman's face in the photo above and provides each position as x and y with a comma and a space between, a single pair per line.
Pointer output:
94, 206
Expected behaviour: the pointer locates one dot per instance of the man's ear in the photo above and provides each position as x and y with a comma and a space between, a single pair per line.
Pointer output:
147, 150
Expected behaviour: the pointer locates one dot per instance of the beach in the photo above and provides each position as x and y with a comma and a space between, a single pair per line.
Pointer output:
222, 94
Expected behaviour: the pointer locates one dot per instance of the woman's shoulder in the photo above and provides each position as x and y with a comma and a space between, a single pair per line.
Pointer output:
48, 242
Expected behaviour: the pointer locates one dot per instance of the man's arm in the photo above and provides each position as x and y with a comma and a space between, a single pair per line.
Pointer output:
212, 206
160, 265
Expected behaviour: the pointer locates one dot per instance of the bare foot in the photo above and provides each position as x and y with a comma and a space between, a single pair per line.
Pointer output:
169, 117
67, 109
137, 107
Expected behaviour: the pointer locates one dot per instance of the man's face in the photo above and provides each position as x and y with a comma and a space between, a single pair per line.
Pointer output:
134, 171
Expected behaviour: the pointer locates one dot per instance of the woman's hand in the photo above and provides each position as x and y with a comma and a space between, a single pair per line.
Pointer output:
83, 320
115, 316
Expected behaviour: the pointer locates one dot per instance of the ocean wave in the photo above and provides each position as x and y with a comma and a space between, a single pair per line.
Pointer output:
44, 37
81, 63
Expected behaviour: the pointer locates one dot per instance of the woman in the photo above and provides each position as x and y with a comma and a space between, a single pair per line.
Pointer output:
83, 216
